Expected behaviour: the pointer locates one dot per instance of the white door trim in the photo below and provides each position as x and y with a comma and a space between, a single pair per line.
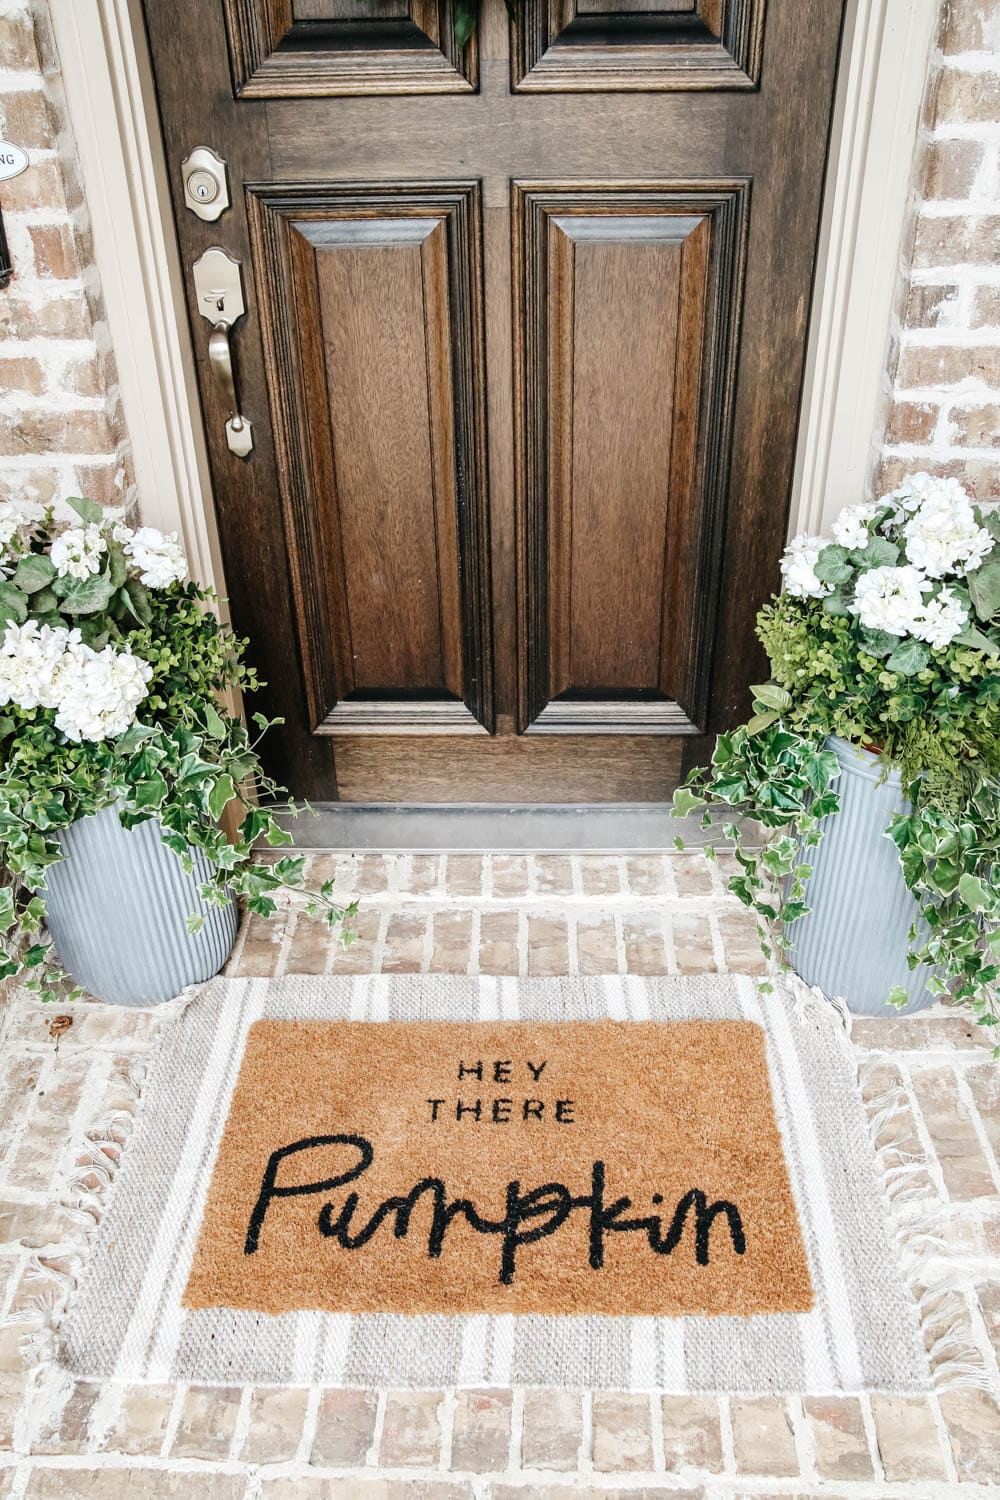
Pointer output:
109, 91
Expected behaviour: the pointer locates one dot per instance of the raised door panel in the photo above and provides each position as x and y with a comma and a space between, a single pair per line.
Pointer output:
372, 323
309, 48
627, 321
584, 45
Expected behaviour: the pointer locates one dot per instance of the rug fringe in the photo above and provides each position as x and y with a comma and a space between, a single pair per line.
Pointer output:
936, 1278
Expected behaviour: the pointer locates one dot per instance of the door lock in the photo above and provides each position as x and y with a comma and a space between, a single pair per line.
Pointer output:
206, 187
218, 284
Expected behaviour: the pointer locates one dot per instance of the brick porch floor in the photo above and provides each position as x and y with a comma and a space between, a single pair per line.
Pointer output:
506, 914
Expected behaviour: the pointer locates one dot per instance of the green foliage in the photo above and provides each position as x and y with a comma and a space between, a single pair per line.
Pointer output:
931, 712
183, 761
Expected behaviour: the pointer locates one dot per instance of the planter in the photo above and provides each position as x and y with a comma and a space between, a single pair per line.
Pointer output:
117, 908
854, 942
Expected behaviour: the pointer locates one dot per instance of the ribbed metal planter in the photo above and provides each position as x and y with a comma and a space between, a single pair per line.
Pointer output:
854, 942
117, 906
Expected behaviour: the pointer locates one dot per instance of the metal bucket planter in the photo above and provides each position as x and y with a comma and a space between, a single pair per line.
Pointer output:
117, 906
854, 942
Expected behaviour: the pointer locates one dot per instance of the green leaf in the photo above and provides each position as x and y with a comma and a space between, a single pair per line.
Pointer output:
832, 565
44, 602
836, 603
220, 796
138, 601
880, 553
85, 596
970, 636
897, 996
117, 564
194, 923
466, 20
760, 722
772, 695
909, 658
214, 722
878, 642
88, 510
13, 605
34, 572
975, 893
151, 793
984, 588
685, 801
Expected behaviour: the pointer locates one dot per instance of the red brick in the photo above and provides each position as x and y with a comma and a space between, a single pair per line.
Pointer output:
957, 239
59, 317
971, 26
930, 306
21, 373
17, 43
645, 948
986, 307
980, 477
28, 120
948, 168
509, 875
41, 186
404, 944
907, 1438
912, 422
55, 250
965, 1169
480, 1441
104, 483
63, 432
411, 1432
548, 945
345, 1428
551, 1430
974, 426
944, 365
452, 942
622, 1434
498, 942
967, 97
694, 952
596, 947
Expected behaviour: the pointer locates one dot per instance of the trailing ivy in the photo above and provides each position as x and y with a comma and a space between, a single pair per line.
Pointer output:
929, 710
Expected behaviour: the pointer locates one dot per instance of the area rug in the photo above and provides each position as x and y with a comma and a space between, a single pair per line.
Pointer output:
623, 1183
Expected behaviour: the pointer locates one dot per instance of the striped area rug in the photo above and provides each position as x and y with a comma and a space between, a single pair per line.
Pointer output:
128, 1319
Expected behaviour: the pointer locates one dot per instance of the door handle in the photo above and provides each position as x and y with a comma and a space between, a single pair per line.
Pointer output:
219, 286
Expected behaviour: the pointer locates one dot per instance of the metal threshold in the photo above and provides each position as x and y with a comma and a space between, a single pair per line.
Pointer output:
490, 827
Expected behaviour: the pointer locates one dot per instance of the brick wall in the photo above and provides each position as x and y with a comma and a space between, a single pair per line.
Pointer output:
944, 368
60, 426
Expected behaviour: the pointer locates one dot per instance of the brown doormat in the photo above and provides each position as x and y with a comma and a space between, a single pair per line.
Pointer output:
517, 1167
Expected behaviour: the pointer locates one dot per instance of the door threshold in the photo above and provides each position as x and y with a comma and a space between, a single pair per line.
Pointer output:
612, 827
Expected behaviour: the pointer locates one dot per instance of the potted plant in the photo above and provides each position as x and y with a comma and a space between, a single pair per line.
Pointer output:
872, 760
118, 758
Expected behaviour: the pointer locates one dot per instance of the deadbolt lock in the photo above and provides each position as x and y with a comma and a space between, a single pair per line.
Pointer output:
206, 188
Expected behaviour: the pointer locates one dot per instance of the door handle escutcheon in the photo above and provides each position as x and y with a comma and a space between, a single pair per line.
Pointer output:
219, 286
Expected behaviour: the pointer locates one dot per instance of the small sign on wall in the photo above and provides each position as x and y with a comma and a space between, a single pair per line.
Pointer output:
13, 160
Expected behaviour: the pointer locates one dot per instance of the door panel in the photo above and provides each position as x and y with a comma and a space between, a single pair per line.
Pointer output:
377, 398
637, 44
628, 307
304, 48
523, 355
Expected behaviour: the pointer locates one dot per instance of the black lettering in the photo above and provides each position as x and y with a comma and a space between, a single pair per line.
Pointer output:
564, 1111
536, 1073
501, 1072
435, 1105
474, 1070
269, 1189
551, 1198
504, 1105
532, 1109
469, 1109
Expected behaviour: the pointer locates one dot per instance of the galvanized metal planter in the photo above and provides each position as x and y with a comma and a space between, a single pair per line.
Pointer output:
854, 942
117, 907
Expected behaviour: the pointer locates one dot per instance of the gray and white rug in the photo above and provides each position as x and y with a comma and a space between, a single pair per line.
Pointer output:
126, 1318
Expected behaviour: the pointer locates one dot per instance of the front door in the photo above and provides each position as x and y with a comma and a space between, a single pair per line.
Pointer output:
522, 356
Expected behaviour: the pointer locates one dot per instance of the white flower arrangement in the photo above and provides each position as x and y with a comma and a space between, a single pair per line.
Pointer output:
901, 565
100, 568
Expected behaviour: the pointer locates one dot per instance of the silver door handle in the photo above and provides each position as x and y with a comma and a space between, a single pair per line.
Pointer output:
238, 432
219, 287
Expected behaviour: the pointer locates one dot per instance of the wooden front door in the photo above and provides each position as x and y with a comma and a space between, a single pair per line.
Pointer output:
522, 353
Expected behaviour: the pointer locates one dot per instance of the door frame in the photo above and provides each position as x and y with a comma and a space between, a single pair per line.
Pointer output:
108, 84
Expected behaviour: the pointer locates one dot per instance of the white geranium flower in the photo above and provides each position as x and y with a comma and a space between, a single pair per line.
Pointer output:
19, 521
99, 698
940, 619
33, 663
909, 496
798, 567
890, 599
122, 533
77, 551
850, 529
160, 559
942, 536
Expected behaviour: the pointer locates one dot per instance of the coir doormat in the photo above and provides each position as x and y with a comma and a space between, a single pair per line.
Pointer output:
628, 1183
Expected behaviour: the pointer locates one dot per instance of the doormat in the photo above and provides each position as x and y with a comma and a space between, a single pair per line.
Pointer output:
636, 1184
514, 1167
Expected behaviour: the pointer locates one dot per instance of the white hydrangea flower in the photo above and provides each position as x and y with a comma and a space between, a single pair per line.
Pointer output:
940, 619
890, 599
34, 662
77, 551
160, 559
850, 529
942, 536
100, 696
798, 567
909, 496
